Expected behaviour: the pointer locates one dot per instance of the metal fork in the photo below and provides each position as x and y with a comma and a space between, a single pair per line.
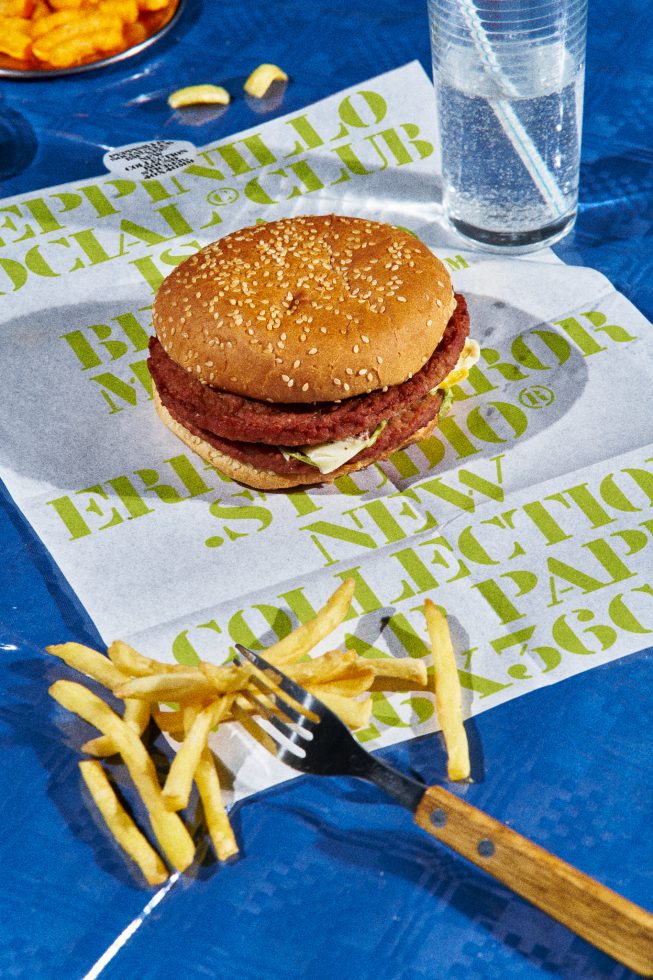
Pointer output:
314, 740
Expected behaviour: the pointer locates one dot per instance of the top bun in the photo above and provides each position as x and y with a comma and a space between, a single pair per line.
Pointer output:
313, 308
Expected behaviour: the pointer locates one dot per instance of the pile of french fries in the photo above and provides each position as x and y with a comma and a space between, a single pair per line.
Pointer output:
63, 33
207, 696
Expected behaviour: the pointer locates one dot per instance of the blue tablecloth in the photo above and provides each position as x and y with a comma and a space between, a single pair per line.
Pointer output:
334, 880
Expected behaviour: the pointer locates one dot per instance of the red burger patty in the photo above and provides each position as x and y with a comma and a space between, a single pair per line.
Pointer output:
397, 433
238, 420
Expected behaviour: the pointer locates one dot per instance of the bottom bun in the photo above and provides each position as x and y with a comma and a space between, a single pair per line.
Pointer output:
261, 479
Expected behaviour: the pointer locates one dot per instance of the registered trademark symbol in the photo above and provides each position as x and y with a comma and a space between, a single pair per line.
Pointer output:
226, 195
536, 396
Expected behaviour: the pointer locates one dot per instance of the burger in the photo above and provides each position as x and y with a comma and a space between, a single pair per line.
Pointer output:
292, 352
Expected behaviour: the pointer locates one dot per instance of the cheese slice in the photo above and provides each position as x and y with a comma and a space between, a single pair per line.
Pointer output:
328, 456
468, 358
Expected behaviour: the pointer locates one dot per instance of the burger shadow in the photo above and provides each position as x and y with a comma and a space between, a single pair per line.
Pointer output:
87, 401
525, 385
90, 402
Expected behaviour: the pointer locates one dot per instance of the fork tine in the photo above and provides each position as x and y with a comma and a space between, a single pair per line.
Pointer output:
279, 703
270, 742
291, 733
306, 703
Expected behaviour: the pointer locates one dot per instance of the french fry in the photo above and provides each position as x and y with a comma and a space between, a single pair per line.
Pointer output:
121, 825
355, 714
399, 674
327, 667
338, 671
226, 678
88, 661
208, 786
170, 722
346, 687
169, 830
400, 668
217, 821
448, 701
298, 643
179, 781
260, 80
191, 685
137, 715
132, 662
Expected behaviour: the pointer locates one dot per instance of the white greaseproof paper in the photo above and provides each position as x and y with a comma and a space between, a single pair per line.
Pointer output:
528, 516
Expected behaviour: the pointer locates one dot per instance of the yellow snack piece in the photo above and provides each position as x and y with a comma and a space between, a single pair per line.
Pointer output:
71, 42
48, 22
15, 8
199, 95
262, 78
14, 39
39, 10
126, 10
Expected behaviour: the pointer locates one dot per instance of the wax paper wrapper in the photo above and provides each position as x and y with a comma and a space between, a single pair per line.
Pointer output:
526, 516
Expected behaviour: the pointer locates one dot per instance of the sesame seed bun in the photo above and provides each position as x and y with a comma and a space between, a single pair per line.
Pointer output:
266, 479
305, 309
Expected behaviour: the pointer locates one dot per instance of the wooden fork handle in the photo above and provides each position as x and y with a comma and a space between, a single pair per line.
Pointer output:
606, 919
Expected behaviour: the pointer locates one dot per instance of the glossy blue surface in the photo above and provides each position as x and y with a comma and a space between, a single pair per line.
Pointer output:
333, 881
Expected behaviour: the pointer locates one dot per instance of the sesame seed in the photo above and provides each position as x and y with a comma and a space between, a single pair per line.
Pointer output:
365, 339
355, 348
402, 299
284, 377
337, 382
305, 387
296, 363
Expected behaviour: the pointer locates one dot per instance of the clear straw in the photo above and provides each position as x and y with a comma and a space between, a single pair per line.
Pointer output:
510, 123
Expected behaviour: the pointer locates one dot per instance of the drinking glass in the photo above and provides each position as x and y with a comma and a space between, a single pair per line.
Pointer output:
509, 80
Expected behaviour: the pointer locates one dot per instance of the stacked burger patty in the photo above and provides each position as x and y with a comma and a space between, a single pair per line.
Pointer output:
300, 333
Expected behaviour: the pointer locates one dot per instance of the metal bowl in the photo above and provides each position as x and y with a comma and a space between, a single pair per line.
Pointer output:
157, 24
